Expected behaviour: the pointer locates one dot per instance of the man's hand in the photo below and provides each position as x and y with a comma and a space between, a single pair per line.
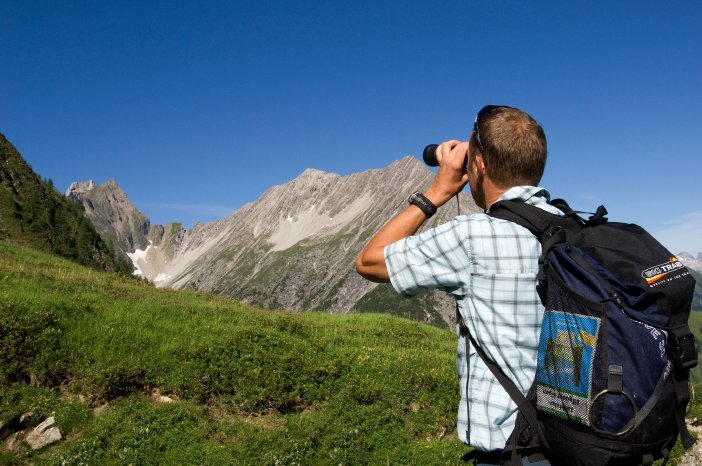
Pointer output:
452, 176
449, 181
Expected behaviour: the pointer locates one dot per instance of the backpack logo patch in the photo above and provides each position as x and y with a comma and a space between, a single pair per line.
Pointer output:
655, 274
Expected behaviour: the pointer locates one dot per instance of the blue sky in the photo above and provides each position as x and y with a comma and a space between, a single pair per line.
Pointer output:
196, 108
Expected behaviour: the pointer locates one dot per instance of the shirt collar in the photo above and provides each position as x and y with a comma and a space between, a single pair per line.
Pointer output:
532, 195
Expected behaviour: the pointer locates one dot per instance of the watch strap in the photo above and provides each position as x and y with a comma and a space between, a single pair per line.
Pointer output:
425, 205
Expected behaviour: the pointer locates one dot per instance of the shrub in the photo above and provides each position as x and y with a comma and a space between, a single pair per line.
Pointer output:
118, 380
259, 370
30, 346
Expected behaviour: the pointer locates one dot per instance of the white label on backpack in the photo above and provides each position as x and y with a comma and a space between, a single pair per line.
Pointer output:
564, 367
659, 336
663, 273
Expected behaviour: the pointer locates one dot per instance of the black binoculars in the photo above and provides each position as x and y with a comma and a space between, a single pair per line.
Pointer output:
429, 155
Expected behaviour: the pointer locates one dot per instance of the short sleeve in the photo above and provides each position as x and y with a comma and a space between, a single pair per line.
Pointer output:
436, 258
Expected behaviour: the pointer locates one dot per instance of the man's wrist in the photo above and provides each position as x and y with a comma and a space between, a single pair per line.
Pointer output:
423, 203
436, 198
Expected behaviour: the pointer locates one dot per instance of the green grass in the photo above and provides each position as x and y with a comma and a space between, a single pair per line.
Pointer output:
251, 386
695, 323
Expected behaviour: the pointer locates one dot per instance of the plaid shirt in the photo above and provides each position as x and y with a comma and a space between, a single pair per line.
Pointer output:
490, 266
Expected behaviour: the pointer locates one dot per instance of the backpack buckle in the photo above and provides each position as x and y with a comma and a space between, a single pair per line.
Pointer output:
684, 354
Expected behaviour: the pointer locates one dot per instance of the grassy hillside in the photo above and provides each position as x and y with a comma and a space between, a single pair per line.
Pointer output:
384, 299
697, 300
98, 351
251, 386
33, 213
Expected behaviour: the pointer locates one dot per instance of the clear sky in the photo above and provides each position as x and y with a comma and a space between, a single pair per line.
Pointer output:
196, 108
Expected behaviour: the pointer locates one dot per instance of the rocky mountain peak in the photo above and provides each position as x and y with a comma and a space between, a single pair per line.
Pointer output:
408, 161
113, 214
78, 189
691, 261
313, 173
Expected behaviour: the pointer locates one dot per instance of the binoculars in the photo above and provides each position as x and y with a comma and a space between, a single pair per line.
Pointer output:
429, 155
433, 159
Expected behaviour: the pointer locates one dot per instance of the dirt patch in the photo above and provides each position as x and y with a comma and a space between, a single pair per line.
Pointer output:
270, 421
693, 457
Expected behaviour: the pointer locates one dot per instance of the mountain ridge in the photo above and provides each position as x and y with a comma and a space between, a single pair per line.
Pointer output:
294, 247
691, 261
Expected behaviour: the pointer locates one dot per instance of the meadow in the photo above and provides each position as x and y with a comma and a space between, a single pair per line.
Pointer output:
101, 352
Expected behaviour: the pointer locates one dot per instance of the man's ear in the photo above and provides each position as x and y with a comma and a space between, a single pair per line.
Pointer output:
480, 164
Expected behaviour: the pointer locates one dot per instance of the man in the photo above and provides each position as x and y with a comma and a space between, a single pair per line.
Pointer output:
488, 264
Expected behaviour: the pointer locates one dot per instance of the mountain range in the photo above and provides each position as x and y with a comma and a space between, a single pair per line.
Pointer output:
294, 248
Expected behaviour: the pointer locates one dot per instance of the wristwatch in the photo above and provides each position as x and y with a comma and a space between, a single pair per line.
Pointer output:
421, 201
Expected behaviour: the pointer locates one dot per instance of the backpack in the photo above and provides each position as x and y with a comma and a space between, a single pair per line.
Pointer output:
615, 347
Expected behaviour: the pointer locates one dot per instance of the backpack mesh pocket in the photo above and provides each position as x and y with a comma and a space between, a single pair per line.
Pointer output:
568, 350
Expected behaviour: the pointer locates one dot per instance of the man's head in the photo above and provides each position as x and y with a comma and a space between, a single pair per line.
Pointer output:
512, 146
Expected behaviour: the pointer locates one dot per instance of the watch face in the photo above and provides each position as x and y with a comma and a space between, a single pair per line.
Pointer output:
415, 198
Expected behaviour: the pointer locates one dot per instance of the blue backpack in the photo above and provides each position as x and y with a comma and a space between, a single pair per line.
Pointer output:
615, 348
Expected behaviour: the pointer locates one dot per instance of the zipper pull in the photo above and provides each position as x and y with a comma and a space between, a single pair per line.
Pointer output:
615, 297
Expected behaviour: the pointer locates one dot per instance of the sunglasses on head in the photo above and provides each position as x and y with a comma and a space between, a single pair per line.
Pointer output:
476, 125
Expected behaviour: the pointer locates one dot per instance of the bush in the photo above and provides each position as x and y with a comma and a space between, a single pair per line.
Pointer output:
30, 346
118, 380
259, 370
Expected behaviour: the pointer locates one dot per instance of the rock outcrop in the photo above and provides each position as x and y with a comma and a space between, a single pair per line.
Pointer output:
44, 434
112, 213
14, 432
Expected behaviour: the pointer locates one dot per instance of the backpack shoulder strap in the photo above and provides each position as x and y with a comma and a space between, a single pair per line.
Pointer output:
536, 220
510, 387
528, 216
549, 229
525, 407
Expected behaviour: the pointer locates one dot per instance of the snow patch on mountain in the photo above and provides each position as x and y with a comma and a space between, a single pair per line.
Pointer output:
139, 259
296, 228
162, 277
